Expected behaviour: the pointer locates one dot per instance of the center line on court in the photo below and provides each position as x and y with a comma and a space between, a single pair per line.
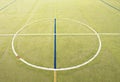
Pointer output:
55, 51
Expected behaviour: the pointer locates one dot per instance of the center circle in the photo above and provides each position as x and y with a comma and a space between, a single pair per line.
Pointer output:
58, 69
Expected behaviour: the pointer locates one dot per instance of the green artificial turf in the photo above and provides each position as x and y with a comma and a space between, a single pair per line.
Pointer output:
71, 50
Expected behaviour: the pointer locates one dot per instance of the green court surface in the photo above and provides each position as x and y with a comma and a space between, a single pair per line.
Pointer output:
87, 41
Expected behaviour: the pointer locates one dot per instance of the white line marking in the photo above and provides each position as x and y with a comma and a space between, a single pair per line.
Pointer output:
7, 5
59, 69
63, 34
14, 36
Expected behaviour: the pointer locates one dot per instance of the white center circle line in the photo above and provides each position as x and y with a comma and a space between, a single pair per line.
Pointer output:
58, 69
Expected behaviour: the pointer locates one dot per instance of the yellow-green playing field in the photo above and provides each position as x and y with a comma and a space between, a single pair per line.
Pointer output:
81, 25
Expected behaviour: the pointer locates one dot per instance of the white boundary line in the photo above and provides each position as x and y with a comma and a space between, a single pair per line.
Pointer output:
59, 69
63, 34
7, 5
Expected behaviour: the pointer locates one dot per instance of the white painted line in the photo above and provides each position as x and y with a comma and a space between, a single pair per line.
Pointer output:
7, 5
59, 69
64, 34
6, 35
113, 34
